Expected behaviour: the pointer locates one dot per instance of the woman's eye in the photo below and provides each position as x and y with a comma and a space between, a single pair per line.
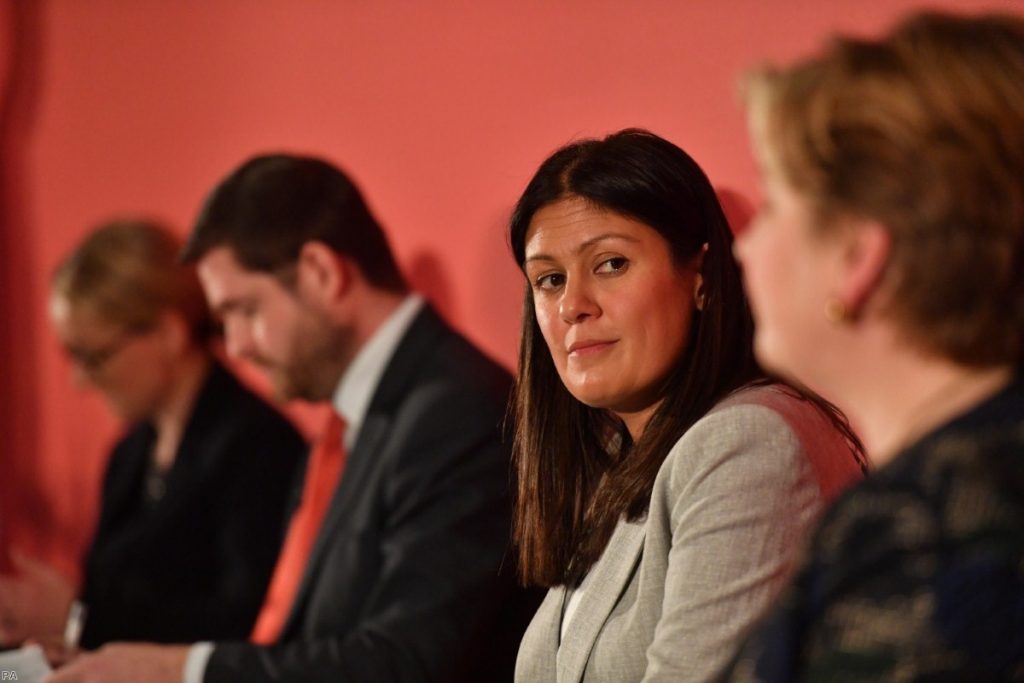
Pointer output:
612, 265
549, 281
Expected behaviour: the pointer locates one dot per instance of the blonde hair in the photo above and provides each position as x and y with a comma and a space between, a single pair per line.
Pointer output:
922, 131
127, 272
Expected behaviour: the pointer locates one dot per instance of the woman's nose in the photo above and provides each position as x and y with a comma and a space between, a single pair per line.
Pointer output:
577, 303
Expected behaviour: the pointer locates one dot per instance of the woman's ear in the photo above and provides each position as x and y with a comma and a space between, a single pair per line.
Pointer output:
699, 298
866, 247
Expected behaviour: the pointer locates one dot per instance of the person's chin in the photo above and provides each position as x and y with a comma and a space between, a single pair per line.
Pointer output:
281, 388
118, 407
595, 397
123, 415
284, 391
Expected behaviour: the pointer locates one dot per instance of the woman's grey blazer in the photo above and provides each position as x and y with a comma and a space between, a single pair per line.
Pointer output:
674, 593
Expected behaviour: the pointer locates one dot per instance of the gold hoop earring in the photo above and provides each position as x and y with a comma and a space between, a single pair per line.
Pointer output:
836, 311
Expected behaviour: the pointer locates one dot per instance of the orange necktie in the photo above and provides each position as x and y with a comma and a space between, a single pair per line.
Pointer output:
322, 474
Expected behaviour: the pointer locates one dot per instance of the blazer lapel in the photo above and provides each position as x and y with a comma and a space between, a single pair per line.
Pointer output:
422, 334
358, 465
193, 459
607, 580
539, 646
124, 481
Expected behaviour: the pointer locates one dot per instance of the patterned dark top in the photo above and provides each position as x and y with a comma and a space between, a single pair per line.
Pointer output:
917, 573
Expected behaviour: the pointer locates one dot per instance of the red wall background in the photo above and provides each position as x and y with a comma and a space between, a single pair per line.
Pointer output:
441, 110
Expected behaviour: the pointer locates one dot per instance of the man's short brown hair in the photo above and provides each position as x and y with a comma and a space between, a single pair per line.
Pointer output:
271, 205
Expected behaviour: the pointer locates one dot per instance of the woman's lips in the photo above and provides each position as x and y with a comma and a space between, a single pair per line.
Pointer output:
588, 348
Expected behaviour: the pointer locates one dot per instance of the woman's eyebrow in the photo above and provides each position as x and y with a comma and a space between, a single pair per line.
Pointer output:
584, 245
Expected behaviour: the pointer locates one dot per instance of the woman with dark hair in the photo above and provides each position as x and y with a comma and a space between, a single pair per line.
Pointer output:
664, 484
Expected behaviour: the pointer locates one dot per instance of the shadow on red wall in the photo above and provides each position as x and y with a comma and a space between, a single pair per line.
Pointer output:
20, 499
738, 209
426, 275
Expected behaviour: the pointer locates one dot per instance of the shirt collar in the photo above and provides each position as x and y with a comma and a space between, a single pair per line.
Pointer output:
359, 382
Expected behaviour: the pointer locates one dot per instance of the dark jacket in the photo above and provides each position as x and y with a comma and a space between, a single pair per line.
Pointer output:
917, 573
409, 578
195, 565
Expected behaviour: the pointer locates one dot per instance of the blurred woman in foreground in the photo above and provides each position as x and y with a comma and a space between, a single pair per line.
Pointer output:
194, 495
886, 271
664, 487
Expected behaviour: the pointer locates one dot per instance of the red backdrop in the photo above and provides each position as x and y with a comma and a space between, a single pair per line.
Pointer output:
441, 110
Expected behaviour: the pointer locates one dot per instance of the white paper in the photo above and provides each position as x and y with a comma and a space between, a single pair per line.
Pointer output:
26, 665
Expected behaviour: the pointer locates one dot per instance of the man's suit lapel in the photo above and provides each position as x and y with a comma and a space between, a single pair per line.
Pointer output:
358, 465
125, 476
608, 579
193, 458
362, 459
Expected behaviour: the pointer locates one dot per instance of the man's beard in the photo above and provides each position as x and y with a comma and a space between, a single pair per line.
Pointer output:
320, 354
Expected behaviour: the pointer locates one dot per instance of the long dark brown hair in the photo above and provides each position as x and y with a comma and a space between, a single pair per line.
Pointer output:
572, 487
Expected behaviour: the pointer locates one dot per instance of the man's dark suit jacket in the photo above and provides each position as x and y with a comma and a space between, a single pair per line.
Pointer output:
403, 582
196, 565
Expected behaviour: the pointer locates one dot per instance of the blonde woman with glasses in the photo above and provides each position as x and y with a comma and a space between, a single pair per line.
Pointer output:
194, 495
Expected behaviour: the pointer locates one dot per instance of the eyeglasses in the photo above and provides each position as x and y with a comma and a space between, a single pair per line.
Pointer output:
94, 360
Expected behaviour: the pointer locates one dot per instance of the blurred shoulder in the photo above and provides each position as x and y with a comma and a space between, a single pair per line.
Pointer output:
447, 363
775, 427
777, 398
751, 413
